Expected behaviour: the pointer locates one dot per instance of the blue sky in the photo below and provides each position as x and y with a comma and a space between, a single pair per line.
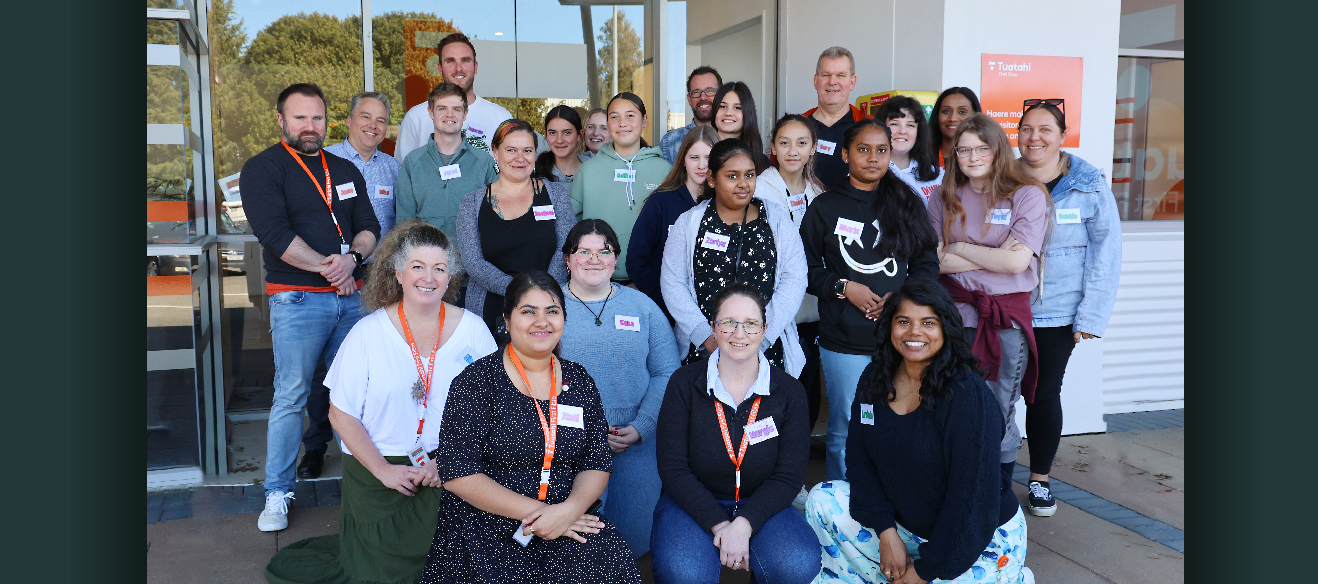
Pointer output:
541, 21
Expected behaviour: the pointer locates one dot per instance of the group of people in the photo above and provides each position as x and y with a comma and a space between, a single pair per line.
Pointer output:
589, 348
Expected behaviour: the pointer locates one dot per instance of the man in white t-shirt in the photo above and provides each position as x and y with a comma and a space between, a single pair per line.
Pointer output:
457, 63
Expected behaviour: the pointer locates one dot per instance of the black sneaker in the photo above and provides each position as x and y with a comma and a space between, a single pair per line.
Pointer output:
1042, 503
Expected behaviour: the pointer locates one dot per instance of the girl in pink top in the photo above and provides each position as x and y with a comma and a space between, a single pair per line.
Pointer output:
992, 220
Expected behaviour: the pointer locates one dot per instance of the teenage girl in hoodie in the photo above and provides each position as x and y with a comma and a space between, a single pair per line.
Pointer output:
863, 239
613, 185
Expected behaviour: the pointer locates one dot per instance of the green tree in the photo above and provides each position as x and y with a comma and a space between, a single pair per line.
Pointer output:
629, 55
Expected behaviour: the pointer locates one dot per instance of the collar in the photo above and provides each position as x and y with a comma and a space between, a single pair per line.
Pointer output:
345, 149
715, 384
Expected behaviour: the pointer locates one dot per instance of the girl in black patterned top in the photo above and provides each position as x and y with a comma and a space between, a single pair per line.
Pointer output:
729, 236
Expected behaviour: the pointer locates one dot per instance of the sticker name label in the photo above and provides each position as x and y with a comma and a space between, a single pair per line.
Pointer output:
624, 175
476, 129
346, 191
384, 192
849, 230
451, 171
762, 430
715, 242
1067, 216
1000, 216
795, 202
627, 323
570, 416
543, 212
867, 414
826, 147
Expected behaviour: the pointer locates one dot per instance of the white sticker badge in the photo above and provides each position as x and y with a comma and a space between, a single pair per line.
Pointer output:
384, 192
543, 212
1000, 216
624, 175
627, 323
867, 414
715, 242
346, 191
762, 430
467, 355
849, 230
796, 202
476, 129
1067, 216
570, 416
826, 147
450, 172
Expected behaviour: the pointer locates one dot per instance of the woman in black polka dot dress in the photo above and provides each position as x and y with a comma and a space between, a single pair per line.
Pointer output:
492, 452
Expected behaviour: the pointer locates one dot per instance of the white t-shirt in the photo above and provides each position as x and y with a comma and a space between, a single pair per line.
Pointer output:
372, 375
483, 117
923, 188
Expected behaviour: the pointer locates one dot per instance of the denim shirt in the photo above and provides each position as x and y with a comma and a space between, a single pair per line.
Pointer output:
1082, 261
671, 142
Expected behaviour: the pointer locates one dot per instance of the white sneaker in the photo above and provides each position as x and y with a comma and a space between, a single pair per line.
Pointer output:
1027, 574
275, 515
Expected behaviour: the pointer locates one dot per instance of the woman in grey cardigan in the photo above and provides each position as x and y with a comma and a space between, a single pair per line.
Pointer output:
730, 236
512, 225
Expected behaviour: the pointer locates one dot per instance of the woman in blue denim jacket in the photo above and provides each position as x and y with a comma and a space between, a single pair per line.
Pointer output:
1081, 265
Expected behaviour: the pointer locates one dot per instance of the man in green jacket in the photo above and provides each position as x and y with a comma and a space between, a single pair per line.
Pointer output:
434, 178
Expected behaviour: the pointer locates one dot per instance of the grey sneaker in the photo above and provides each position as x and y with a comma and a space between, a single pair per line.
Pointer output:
275, 515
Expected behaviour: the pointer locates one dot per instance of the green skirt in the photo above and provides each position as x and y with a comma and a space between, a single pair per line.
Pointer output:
384, 536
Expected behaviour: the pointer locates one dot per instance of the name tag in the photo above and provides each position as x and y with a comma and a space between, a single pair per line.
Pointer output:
825, 147
1000, 216
450, 172
867, 414
762, 430
346, 191
418, 455
519, 537
543, 212
476, 129
1065, 216
344, 247
849, 230
384, 192
715, 241
627, 323
570, 416
467, 356
796, 202
624, 175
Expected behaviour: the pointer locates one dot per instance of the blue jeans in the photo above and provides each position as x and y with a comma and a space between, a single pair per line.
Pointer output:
841, 375
632, 493
784, 550
306, 329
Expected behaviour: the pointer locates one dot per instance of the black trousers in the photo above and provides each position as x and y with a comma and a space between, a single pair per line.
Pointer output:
810, 375
1043, 418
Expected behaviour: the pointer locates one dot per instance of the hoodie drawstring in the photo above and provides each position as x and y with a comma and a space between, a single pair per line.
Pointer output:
631, 198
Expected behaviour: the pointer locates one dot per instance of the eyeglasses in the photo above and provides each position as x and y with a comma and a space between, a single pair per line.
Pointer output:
710, 91
585, 254
728, 326
1055, 102
982, 151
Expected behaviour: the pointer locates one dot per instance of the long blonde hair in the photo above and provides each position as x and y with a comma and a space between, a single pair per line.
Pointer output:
1006, 175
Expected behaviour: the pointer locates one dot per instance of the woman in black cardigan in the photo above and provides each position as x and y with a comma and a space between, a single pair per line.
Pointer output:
922, 459
733, 442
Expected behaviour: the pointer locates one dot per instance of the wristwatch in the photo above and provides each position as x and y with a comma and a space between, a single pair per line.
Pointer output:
357, 257
839, 287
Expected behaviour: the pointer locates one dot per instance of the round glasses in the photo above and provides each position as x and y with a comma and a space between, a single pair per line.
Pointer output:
728, 326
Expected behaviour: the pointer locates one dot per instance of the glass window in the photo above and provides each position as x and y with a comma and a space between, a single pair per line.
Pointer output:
1148, 161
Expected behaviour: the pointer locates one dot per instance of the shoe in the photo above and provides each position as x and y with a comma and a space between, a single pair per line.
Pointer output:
1027, 575
799, 501
312, 462
1042, 503
275, 515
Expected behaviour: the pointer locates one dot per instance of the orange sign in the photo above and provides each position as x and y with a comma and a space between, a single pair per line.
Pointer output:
1006, 81
421, 57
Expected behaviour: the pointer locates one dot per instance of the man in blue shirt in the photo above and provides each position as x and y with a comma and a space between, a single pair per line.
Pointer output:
368, 120
701, 86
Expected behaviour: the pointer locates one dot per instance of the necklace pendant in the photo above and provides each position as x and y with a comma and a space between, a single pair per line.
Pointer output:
418, 391
597, 322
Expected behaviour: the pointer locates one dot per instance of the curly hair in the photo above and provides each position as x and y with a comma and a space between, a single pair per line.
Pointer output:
382, 287
953, 360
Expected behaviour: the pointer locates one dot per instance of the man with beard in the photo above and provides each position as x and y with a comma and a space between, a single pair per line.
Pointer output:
701, 86
307, 209
457, 62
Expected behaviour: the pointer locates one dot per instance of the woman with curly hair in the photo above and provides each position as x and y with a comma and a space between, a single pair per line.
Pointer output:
921, 461
388, 386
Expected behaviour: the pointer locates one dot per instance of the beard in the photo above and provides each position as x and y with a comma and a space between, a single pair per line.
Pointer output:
301, 144
695, 111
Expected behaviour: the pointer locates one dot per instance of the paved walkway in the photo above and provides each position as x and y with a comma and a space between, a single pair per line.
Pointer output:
1120, 518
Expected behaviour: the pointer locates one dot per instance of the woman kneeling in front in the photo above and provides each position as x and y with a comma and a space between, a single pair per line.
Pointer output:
733, 443
922, 459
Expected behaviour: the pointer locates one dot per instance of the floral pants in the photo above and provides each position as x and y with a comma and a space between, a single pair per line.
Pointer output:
851, 551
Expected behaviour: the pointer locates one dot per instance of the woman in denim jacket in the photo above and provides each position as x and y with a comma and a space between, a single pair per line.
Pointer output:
1081, 264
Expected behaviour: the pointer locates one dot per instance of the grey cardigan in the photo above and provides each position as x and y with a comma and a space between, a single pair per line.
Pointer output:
484, 276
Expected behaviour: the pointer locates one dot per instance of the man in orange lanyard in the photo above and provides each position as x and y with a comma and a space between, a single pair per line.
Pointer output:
313, 216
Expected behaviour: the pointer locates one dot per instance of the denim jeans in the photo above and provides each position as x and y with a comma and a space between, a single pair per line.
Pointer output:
841, 375
306, 329
632, 493
1007, 389
784, 550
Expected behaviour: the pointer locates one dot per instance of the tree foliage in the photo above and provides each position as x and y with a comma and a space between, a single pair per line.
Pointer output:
629, 55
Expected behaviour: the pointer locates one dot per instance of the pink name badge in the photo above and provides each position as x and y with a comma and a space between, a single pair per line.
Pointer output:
570, 416
543, 212
715, 241
627, 323
848, 230
826, 147
762, 430
795, 202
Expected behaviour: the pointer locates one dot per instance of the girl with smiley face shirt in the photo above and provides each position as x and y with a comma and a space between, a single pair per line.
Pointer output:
863, 239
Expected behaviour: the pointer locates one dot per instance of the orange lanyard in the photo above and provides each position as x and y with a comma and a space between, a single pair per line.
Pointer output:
420, 367
550, 430
324, 193
727, 440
